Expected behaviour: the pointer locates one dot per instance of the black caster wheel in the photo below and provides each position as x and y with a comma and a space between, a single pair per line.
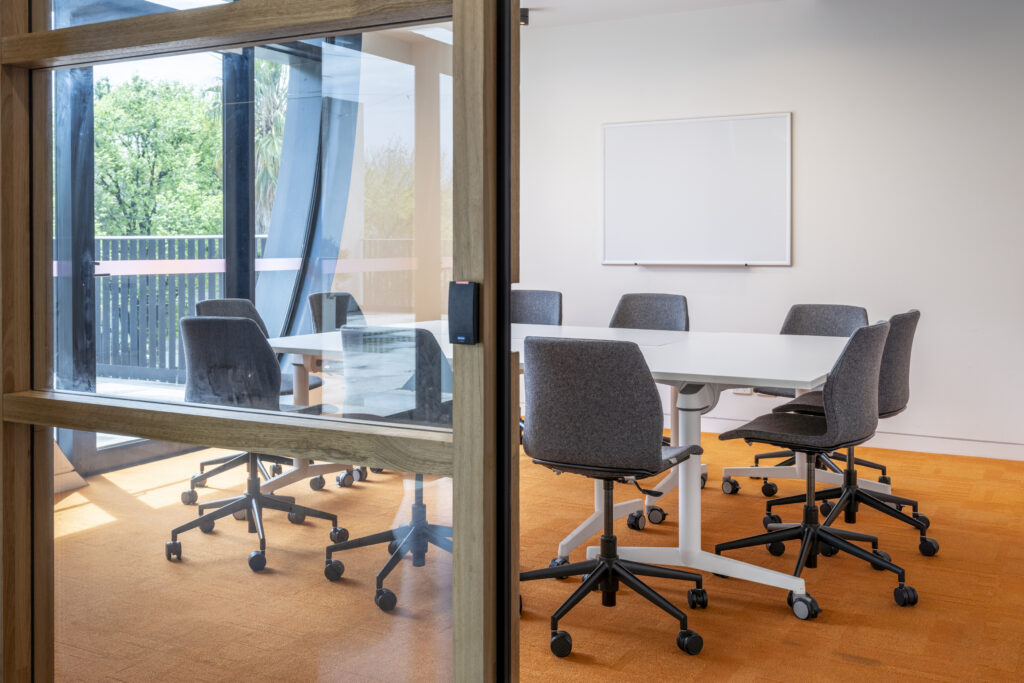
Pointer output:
172, 550
339, 534
296, 517
881, 554
655, 515
703, 479
377, 470
636, 521
771, 518
905, 596
776, 548
558, 562
385, 599
917, 515
825, 507
928, 546
804, 607
597, 586
189, 497
520, 604
697, 598
206, 526
690, 642
257, 560
276, 469
392, 547
359, 474
730, 486
561, 644
345, 478
884, 479
334, 570
317, 482
827, 549
769, 489
240, 515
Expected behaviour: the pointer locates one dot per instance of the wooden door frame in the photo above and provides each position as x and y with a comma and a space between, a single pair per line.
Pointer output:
30, 408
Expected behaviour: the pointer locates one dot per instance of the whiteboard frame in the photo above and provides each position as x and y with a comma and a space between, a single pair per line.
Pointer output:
789, 191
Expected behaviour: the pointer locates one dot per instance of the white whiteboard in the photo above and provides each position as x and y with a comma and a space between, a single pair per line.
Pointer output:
709, 191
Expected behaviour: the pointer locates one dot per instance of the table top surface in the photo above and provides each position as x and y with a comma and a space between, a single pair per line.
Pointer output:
728, 358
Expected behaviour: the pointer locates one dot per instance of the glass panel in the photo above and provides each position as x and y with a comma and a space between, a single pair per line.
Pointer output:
301, 187
67, 13
125, 612
305, 189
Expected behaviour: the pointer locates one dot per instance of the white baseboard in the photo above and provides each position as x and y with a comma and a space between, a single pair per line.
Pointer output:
907, 442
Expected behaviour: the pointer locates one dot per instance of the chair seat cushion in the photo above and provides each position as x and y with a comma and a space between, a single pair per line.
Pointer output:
670, 457
788, 430
811, 403
288, 383
776, 391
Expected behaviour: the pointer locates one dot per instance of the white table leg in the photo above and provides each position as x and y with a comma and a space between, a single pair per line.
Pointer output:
300, 384
688, 552
798, 471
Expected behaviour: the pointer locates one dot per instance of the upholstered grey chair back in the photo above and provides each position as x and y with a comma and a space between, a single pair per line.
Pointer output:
395, 374
652, 312
536, 307
339, 307
851, 391
229, 362
824, 320
232, 308
591, 403
894, 380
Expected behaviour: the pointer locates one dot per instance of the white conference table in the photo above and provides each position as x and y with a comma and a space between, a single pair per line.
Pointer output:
698, 366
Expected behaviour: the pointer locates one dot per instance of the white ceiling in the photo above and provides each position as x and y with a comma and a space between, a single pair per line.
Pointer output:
560, 12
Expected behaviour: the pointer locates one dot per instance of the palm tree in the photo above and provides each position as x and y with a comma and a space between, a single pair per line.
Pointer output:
271, 104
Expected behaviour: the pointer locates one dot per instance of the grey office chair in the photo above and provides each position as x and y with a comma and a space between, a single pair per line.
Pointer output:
818, 320
536, 307
229, 363
572, 386
378, 364
243, 308
850, 399
333, 310
893, 396
651, 312
654, 312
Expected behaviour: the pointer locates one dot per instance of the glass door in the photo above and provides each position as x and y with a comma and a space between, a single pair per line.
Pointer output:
237, 338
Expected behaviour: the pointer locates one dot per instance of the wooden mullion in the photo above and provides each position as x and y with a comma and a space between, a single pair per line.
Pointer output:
403, 449
16, 361
475, 251
235, 24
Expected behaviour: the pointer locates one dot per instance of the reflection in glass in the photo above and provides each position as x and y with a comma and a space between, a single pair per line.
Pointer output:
268, 228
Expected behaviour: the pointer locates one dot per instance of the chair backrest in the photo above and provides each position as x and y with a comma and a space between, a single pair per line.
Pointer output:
851, 392
591, 403
894, 380
333, 310
229, 362
824, 320
396, 374
651, 312
536, 307
232, 308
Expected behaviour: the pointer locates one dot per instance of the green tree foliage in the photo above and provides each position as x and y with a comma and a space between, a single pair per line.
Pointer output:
271, 104
158, 159
388, 194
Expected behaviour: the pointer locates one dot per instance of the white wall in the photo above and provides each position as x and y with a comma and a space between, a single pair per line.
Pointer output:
908, 182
